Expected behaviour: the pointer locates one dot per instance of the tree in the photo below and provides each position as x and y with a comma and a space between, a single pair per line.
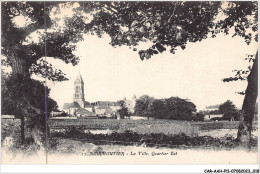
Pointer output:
143, 105
35, 108
173, 108
226, 107
24, 54
231, 116
158, 109
123, 111
27, 97
249, 103
180, 109
199, 116
243, 17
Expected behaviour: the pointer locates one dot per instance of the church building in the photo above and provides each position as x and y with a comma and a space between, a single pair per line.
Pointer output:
79, 107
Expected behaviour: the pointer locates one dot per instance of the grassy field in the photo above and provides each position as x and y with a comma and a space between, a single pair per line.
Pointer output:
146, 126
139, 126
212, 125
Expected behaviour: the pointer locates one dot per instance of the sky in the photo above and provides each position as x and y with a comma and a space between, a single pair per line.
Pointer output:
195, 73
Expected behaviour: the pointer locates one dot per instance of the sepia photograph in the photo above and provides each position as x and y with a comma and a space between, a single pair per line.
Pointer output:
129, 82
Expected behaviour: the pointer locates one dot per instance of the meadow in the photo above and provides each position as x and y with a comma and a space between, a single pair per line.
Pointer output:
168, 127
139, 126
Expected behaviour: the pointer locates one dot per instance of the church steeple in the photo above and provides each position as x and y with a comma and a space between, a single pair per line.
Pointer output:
79, 79
79, 91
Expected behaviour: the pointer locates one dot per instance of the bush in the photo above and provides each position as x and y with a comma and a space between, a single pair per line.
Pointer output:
74, 132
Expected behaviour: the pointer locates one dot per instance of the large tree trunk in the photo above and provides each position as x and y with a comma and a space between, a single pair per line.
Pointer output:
20, 67
20, 71
248, 108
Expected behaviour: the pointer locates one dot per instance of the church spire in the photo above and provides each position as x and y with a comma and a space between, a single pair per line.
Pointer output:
79, 91
79, 79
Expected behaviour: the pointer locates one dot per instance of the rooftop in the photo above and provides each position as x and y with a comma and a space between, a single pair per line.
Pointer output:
85, 112
71, 105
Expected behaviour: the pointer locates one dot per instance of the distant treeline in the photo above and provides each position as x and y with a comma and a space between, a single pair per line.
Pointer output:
173, 108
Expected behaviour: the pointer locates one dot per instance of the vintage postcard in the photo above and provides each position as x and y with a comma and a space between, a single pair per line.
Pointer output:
129, 82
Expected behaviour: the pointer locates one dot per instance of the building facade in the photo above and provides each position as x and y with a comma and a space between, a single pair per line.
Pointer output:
106, 108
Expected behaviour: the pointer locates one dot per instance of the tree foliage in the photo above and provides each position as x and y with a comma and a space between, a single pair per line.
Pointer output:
168, 25
227, 106
143, 105
242, 75
169, 108
241, 16
165, 24
173, 108
25, 46
31, 99
231, 115
123, 111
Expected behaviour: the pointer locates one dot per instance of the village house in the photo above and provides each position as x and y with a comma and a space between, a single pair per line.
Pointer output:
106, 108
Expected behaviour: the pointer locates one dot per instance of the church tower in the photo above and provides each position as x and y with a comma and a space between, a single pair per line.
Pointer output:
79, 91
133, 103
